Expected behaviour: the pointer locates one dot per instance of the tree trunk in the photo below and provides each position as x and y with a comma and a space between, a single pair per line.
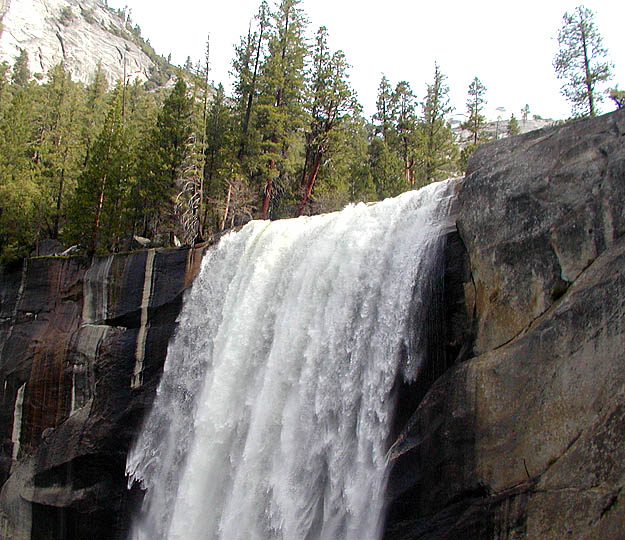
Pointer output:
250, 97
98, 215
222, 225
591, 99
311, 182
268, 187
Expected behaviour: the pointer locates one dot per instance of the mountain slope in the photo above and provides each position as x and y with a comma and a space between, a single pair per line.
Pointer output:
81, 34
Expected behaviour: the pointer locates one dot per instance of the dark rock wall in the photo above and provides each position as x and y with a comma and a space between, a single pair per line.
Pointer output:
82, 346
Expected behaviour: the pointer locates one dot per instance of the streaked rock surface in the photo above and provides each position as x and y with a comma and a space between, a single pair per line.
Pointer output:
71, 334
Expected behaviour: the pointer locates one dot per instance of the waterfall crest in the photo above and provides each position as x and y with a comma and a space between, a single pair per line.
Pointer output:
273, 414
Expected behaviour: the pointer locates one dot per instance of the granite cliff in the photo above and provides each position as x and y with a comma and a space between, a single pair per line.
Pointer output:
515, 430
81, 34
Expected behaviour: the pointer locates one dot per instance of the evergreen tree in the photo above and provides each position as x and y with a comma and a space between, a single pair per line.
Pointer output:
20, 193
159, 161
581, 61
57, 146
352, 162
345, 176
190, 199
438, 150
475, 107
228, 194
383, 116
4, 87
513, 126
331, 101
387, 169
94, 113
21, 73
249, 56
618, 96
99, 208
405, 134
280, 103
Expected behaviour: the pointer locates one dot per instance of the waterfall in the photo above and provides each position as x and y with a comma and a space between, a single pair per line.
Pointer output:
274, 410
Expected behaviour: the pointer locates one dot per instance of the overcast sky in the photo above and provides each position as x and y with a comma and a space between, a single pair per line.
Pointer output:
509, 45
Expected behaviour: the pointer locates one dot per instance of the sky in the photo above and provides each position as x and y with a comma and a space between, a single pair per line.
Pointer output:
509, 46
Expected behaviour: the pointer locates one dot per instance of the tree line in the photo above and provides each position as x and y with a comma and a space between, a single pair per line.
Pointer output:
104, 167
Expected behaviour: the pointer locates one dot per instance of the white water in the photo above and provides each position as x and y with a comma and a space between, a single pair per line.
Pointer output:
272, 417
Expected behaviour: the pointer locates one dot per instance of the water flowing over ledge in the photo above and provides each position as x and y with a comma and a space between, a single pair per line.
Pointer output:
273, 414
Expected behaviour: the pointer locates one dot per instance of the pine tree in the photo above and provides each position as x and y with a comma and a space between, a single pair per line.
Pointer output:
57, 146
405, 132
159, 161
98, 209
280, 105
581, 61
21, 73
383, 116
249, 57
513, 126
95, 109
618, 96
438, 149
4, 87
387, 169
190, 199
20, 193
331, 100
475, 106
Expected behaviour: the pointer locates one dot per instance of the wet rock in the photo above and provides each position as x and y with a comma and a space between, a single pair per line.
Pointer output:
84, 345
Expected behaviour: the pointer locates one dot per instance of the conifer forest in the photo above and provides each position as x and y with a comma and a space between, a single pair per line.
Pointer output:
99, 167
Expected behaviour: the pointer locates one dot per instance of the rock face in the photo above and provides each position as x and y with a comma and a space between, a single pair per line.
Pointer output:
82, 345
515, 430
79, 33
525, 439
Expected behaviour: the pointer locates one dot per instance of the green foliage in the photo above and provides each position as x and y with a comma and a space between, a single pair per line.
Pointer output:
280, 113
160, 157
438, 153
513, 126
475, 106
387, 170
21, 73
20, 195
464, 156
581, 61
617, 96
383, 117
331, 101
57, 148
98, 210
404, 137
67, 16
